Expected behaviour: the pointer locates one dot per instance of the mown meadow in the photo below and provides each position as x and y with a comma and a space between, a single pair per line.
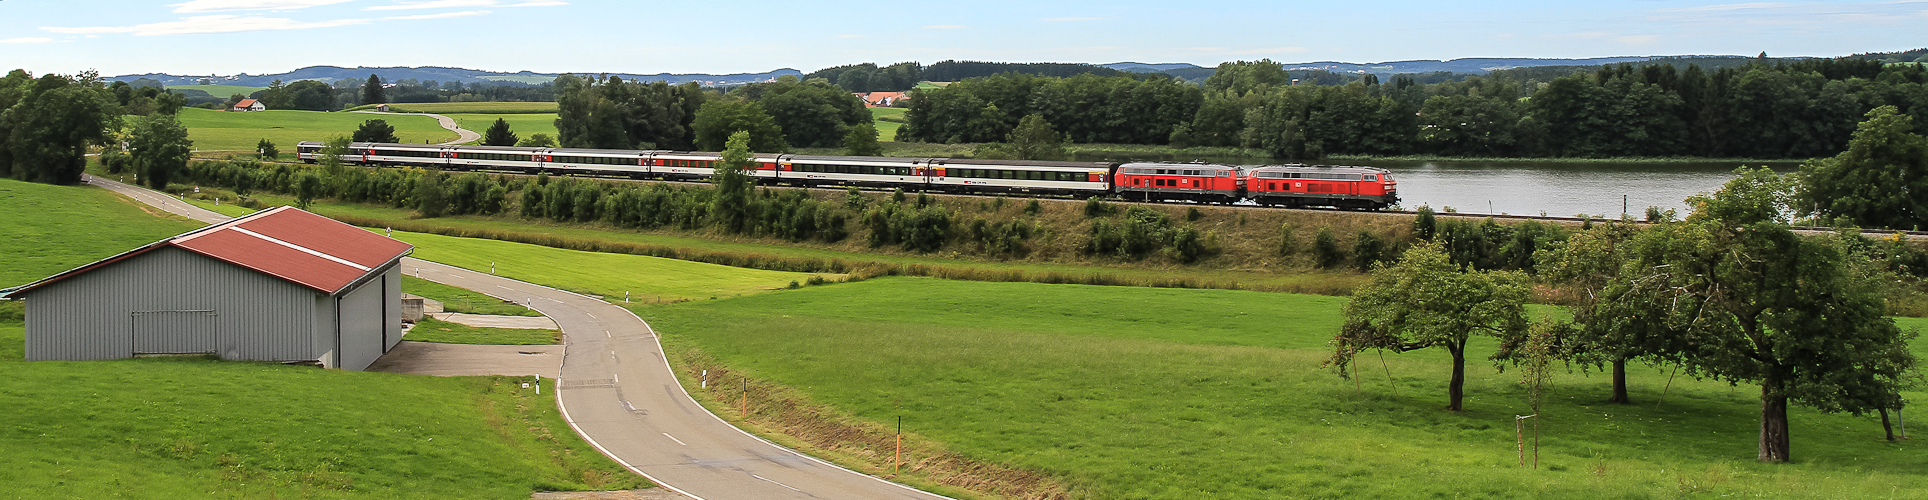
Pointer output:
55, 228
213, 130
434, 330
1151, 393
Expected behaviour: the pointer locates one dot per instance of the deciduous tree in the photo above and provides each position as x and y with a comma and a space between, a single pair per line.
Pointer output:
1880, 181
160, 148
720, 120
733, 183
862, 141
1803, 317
51, 124
1034, 139
1426, 301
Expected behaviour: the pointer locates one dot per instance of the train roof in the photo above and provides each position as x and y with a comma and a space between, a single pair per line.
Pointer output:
1195, 166
588, 151
1337, 169
1020, 163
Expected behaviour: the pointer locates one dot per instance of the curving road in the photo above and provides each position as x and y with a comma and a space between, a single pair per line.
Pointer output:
462, 135
617, 390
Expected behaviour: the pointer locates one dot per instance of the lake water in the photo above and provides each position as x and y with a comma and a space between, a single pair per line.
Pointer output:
1558, 189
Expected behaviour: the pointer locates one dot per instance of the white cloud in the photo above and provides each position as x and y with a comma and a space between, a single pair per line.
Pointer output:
29, 39
222, 23
850, 36
444, 15
227, 5
434, 4
1638, 39
945, 27
1072, 19
537, 4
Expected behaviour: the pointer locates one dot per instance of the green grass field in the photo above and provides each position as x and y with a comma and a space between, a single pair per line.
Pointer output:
887, 128
88, 223
1148, 393
452, 108
228, 131
222, 91
460, 300
434, 330
524, 125
197, 428
647, 279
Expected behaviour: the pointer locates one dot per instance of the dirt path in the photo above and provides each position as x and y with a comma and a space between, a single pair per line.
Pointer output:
463, 135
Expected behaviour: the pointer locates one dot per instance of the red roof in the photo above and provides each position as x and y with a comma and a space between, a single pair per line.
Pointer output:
244, 103
306, 249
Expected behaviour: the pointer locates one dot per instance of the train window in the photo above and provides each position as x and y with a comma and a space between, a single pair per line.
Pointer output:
1372, 177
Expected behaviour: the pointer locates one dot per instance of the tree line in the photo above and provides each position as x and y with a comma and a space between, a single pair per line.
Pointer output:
48, 124
1799, 109
609, 113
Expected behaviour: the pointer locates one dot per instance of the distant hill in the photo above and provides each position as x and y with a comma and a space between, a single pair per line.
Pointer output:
439, 74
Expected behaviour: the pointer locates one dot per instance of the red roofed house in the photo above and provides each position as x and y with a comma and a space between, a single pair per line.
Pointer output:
880, 99
278, 285
250, 105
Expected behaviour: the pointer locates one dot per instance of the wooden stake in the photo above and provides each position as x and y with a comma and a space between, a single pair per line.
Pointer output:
1389, 381
1668, 387
898, 462
746, 397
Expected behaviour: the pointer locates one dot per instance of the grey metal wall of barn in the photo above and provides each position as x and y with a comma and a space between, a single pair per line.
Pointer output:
92, 315
362, 328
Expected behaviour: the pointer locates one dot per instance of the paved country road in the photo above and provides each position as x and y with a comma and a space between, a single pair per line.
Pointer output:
462, 135
617, 390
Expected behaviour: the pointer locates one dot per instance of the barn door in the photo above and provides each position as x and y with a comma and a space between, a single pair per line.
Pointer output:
173, 332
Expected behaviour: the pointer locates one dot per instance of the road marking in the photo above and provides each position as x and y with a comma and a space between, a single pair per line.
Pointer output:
679, 441
776, 483
592, 316
607, 334
612, 378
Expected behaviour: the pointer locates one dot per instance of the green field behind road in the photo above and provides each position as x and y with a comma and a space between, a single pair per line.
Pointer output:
231, 131
1154, 393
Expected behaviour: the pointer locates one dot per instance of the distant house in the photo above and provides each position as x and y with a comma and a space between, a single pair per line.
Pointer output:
381, 107
880, 99
250, 105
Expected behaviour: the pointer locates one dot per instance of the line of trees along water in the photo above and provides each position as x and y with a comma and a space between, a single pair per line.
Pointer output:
1801, 109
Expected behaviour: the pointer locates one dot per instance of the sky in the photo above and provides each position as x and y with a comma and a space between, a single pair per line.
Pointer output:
227, 37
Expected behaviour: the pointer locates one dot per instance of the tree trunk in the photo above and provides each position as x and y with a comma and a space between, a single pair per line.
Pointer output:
1457, 388
1620, 382
1774, 442
1885, 426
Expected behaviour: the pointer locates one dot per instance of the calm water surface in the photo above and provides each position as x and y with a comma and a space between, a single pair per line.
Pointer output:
1559, 189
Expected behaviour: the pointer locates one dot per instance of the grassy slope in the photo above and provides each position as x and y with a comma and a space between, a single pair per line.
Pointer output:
88, 223
887, 130
524, 125
1145, 393
433, 330
609, 275
463, 301
226, 131
222, 91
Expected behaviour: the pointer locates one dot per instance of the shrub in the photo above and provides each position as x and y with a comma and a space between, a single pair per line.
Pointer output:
1096, 207
1424, 224
1367, 249
1325, 249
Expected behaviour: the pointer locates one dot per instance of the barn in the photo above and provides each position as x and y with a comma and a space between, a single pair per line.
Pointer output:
278, 285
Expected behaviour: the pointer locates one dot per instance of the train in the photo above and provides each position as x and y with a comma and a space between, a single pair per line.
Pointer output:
1291, 185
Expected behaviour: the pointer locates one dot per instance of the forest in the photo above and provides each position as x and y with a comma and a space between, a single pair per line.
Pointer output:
1758, 110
